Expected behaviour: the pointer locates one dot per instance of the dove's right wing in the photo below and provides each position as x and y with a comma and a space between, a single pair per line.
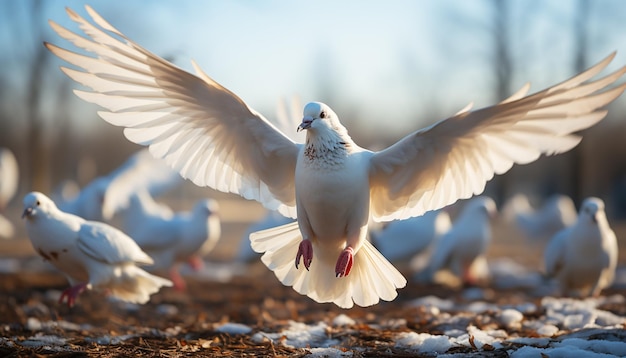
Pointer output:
107, 244
198, 127
454, 158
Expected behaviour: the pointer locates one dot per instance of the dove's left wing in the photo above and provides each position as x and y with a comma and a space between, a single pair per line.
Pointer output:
107, 244
454, 158
198, 127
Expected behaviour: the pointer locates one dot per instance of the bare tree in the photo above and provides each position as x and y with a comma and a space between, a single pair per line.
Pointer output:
581, 26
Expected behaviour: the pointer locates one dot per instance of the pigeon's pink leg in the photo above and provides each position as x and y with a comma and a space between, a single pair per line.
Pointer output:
344, 262
71, 294
305, 251
177, 279
196, 263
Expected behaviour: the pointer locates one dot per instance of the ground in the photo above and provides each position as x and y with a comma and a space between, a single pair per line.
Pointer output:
252, 314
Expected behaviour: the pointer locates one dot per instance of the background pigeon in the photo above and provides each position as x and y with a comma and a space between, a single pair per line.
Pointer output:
9, 180
91, 255
583, 257
108, 194
556, 213
462, 249
170, 238
403, 239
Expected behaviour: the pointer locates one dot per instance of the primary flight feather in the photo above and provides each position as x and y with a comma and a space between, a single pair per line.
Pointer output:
329, 183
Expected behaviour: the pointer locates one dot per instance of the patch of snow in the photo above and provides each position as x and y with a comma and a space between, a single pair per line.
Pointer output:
300, 335
167, 310
547, 330
423, 342
234, 328
434, 301
328, 353
343, 320
33, 324
110, 340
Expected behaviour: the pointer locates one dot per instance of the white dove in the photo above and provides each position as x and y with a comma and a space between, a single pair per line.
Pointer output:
403, 239
9, 180
556, 213
88, 202
583, 257
170, 238
462, 249
108, 194
212, 137
91, 255
9, 177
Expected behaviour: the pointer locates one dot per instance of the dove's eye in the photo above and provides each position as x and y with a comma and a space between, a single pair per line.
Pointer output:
323, 114
38, 203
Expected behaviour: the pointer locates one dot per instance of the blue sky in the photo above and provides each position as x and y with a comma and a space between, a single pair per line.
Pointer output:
403, 63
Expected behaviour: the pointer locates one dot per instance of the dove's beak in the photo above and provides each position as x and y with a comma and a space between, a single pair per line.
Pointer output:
306, 123
27, 212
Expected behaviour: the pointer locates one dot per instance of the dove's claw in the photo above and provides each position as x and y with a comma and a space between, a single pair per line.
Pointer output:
71, 294
344, 262
178, 280
305, 251
196, 263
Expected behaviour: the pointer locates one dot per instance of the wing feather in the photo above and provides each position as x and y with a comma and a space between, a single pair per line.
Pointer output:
454, 158
197, 126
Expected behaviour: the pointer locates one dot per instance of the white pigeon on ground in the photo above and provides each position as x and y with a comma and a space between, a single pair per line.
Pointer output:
87, 204
555, 214
583, 257
7, 230
212, 137
171, 237
462, 249
91, 255
9, 177
403, 239
108, 194
9, 180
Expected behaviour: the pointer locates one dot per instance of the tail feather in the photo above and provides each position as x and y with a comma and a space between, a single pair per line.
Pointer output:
384, 277
136, 285
372, 277
272, 239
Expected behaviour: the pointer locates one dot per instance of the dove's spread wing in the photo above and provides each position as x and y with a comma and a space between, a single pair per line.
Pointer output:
107, 244
200, 128
454, 158
140, 172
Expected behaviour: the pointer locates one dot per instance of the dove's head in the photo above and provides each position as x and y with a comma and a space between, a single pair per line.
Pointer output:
592, 210
207, 207
318, 116
484, 204
36, 203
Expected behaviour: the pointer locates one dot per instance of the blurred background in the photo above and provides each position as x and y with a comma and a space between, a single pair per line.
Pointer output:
385, 68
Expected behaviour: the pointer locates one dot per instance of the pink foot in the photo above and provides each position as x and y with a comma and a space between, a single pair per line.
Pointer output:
72, 293
344, 262
196, 263
305, 251
177, 279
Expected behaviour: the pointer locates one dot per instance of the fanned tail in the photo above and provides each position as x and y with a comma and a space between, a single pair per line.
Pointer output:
136, 285
372, 277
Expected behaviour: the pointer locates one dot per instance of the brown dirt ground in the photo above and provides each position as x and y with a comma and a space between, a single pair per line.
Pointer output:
256, 299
